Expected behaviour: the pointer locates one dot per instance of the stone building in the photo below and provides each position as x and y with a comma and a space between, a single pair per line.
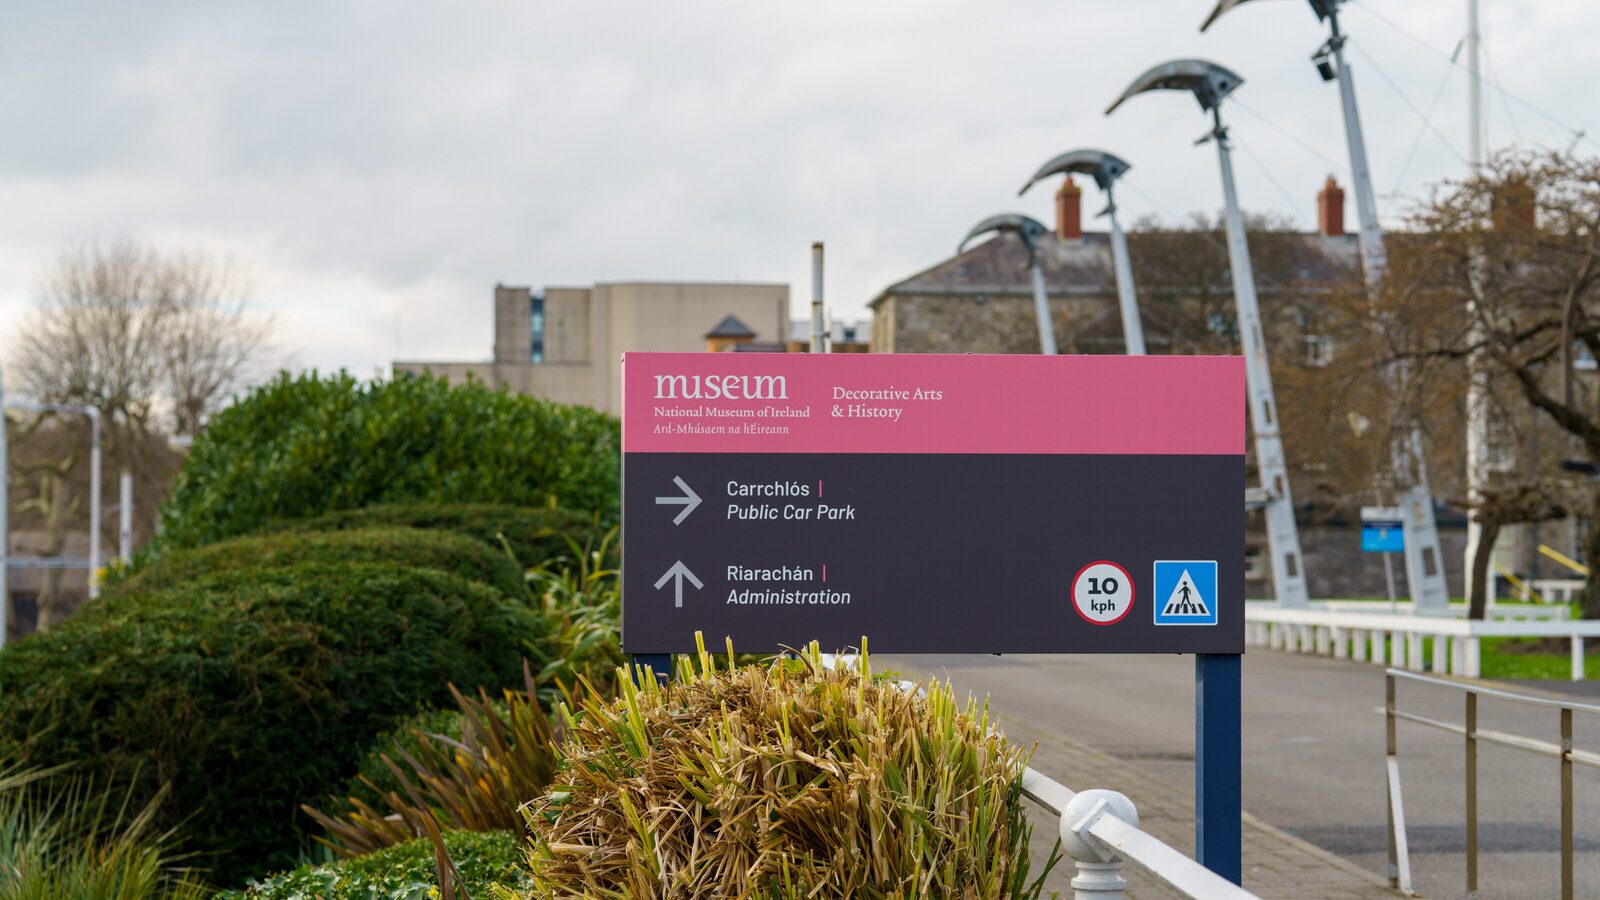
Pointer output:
981, 301
566, 344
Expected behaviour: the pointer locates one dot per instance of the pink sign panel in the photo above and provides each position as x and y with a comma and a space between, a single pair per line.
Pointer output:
866, 403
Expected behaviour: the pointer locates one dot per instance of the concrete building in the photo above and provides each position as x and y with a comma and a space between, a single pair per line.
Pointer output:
566, 344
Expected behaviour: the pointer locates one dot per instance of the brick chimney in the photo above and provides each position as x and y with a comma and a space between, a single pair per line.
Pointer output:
1069, 211
1330, 209
1513, 205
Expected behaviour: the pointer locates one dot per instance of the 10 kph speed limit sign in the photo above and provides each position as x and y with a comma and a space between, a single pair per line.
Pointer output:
1102, 592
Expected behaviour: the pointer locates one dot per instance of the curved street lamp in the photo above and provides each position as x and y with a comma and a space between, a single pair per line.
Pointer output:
1426, 582
1105, 169
1211, 84
1027, 230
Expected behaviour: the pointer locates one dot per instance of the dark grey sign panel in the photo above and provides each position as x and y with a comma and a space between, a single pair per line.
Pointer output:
932, 552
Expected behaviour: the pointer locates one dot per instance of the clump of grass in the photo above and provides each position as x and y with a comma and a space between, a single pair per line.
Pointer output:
66, 841
781, 782
578, 600
504, 755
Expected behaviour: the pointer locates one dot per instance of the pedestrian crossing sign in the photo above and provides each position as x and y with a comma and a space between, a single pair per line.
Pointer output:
1185, 592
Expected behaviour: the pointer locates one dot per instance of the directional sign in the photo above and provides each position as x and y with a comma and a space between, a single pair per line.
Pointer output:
931, 503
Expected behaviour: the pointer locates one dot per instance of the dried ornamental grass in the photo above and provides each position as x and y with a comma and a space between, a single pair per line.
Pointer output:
790, 781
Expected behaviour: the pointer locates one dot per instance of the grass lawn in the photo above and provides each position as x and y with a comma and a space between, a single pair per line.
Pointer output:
1495, 661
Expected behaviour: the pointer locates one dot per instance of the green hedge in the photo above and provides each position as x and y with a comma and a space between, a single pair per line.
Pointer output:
402, 872
414, 547
535, 535
252, 691
304, 445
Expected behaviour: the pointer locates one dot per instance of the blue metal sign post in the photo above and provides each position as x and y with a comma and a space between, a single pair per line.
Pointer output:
1218, 727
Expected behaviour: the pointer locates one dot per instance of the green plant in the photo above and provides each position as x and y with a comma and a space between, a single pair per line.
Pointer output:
413, 547
300, 446
373, 779
781, 782
579, 600
504, 755
403, 872
535, 535
252, 690
62, 841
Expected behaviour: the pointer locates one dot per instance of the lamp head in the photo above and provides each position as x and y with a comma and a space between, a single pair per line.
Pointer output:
1323, 9
1026, 228
1209, 82
1103, 167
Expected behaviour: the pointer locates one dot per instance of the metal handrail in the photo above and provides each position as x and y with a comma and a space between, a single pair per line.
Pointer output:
1498, 694
1399, 853
1100, 829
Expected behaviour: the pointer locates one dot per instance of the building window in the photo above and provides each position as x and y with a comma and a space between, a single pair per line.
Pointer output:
537, 318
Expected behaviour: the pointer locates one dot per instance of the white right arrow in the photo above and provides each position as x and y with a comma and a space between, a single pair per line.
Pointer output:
677, 574
689, 500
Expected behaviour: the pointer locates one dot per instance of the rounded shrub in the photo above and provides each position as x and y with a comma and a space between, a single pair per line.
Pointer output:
535, 535
251, 691
304, 445
784, 782
413, 547
403, 872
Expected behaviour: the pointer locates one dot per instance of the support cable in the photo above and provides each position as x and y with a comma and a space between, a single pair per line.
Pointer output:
1343, 168
1577, 133
1265, 170
1422, 129
1407, 101
1504, 100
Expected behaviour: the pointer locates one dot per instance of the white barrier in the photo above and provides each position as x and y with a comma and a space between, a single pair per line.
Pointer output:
1343, 633
1100, 829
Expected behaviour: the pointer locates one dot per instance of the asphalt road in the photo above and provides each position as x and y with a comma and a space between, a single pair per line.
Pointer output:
1314, 756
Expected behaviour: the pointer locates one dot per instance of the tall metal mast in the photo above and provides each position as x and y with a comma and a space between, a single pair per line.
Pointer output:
1210, 83
1477, 367
1028, 231
1105, 169
1424, 572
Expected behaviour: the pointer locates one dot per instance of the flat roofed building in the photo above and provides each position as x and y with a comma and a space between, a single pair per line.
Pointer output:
566, 344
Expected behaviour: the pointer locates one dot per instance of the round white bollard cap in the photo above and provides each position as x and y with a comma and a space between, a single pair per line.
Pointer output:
1082, 804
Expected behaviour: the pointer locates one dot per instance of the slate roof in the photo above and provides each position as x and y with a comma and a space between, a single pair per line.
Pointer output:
1083, 266
731, 327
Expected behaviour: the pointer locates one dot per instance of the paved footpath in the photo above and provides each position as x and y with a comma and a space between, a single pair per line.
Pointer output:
1313, 767
1276, 864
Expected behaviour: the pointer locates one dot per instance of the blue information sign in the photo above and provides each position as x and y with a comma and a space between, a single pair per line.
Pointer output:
1383, 529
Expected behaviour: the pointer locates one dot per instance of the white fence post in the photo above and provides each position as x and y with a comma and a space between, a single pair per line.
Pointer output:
1099, 869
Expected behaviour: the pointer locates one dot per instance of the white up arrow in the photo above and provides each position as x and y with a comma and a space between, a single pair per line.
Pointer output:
688, 501
676, 575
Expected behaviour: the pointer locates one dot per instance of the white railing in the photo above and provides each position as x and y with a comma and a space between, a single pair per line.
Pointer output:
1517, 612
1100, 829
1399, 639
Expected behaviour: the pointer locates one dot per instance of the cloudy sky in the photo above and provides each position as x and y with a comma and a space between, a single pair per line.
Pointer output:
378, 167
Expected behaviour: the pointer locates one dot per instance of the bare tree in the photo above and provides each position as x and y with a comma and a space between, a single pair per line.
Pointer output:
156, 342
1502, 272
